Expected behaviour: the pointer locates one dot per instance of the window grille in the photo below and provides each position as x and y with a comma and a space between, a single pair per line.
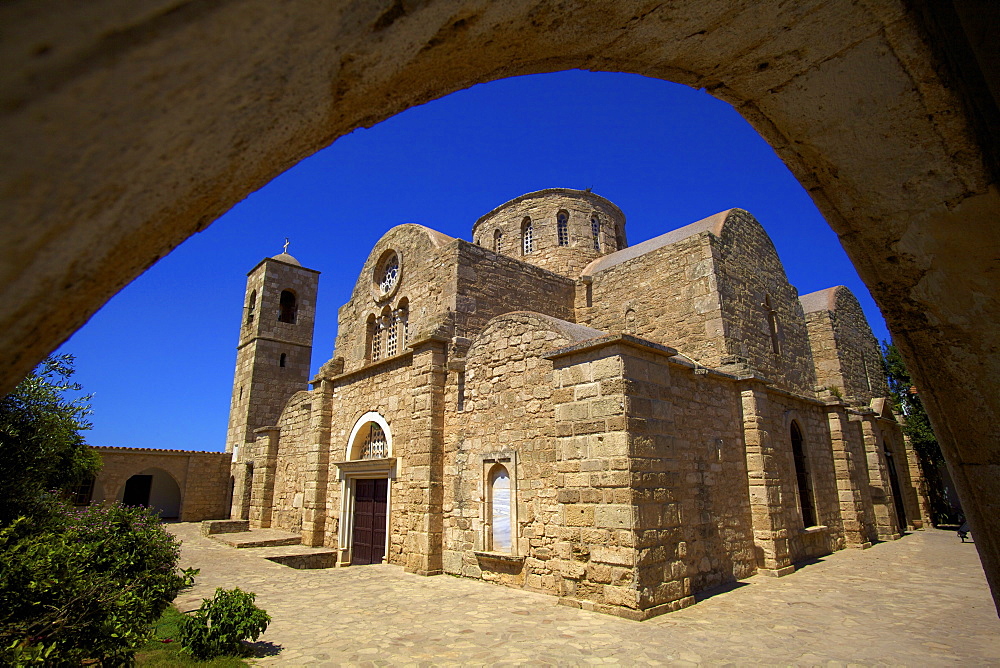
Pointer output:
498, 242
563, 228
377, 341
390, 340
527, 238
595, 230
375, 446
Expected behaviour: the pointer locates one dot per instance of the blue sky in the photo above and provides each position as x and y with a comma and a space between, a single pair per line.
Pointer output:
159, 357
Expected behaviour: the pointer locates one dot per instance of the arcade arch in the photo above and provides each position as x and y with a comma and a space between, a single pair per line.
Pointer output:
904, 171
154, 488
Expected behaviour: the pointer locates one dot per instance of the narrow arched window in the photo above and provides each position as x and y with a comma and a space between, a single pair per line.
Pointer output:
595, 231
251, 307
802, 477
401, 322
281, 360
287, 307
499, 510
374, 339
630, 321
772, 325
619, 239
392, 337
562, 228
527, 237
498, 242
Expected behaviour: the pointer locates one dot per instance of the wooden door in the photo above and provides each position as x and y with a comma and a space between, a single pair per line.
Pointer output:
369, 521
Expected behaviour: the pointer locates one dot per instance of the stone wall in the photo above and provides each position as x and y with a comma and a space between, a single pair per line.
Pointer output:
505, 389
811, 417
202, 477
289, 476
489, 285
667, 295
387, 389
655, 474
846, 354
753, 293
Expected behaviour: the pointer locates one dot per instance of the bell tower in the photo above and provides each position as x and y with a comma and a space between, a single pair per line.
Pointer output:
275, 346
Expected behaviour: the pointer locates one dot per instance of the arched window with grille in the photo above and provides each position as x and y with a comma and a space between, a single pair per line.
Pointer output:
802, 477
497, 241
595, 231
562, 228
287, 307
374, 445
402, 321
527, 237
374, 339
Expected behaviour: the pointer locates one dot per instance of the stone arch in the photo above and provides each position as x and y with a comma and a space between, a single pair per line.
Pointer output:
897, 169
155, 488
358, 433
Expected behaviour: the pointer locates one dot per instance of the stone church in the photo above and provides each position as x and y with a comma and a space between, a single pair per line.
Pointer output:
549, 408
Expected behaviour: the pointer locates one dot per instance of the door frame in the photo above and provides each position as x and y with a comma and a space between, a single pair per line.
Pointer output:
348, 474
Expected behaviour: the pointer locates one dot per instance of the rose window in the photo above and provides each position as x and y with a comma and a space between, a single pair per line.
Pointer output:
389, 275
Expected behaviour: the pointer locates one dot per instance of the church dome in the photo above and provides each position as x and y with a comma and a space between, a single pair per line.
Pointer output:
558, 229
285, 257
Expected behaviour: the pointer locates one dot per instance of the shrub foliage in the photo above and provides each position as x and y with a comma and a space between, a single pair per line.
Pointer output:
222, 623
88, 586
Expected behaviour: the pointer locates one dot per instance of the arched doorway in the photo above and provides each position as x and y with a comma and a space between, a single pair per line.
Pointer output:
153, 488
366, 475
897, 490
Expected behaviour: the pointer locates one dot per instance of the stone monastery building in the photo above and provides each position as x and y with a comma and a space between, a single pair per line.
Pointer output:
549, 408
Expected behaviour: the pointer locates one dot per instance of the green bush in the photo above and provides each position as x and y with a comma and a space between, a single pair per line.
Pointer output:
85, 585
220, 625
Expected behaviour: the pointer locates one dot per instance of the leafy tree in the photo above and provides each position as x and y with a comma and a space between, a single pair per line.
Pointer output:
40, 443
917, 427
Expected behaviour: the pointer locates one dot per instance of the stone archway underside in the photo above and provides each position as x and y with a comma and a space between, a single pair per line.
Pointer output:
126, 127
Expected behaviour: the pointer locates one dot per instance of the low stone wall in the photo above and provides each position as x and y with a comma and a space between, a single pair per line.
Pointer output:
202, 478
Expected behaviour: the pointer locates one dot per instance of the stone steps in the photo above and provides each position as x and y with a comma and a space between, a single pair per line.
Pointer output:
281, 547
258, 538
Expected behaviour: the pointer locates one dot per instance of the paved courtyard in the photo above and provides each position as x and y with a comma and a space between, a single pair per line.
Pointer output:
919, 601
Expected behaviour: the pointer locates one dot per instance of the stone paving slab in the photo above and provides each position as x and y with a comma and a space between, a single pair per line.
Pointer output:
918, 601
